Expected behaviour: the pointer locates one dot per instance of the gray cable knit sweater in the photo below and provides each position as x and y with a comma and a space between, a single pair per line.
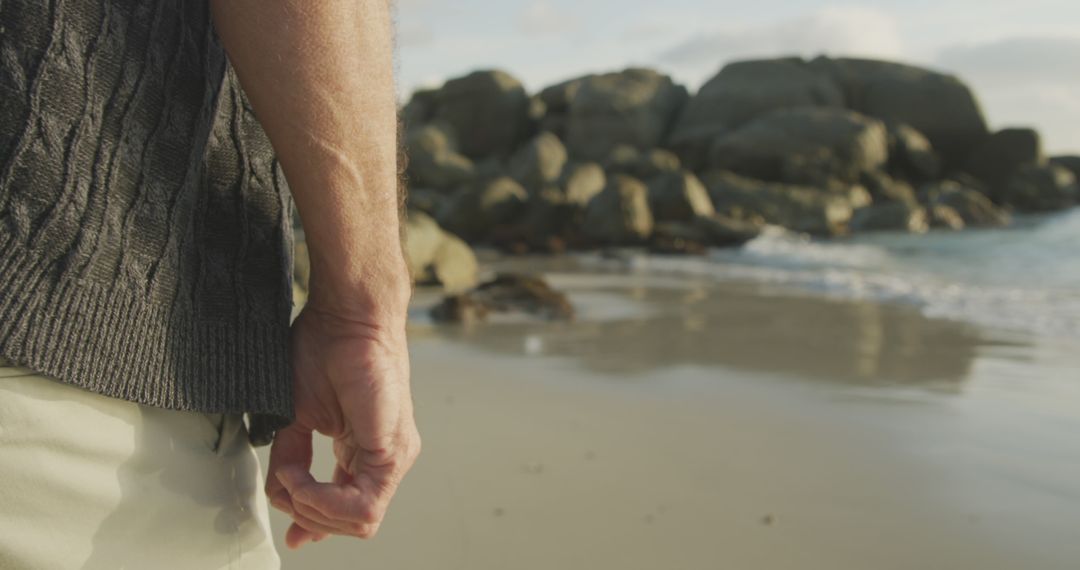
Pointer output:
145, 237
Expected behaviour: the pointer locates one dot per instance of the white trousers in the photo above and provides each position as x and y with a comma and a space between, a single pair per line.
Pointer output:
88, 481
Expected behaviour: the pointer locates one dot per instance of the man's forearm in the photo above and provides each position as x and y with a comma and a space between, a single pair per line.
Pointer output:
320, 78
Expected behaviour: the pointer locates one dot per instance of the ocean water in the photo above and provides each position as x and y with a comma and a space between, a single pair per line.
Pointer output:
1023, 278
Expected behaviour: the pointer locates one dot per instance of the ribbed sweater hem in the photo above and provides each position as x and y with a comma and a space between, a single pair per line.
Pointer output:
118, 344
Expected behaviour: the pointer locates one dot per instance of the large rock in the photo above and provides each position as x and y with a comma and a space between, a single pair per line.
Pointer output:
1071, 163
581, 182
884, 188
475, 210
804, 146
619, 214
798, 208
538, 163
634, 107
628, 160
435, 256
944, 217
420, 109
433, 161
892, 216
489, 111
973, 207
1002, 155
911, 156
939, 105
423, 236
1041, 189
744, 91
678, 197
454, 265
722, 231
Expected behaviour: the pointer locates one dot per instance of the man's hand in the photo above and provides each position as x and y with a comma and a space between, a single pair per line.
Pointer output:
351, 383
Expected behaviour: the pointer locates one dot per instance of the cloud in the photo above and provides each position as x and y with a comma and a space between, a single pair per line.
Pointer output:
1025, 81
847, 30
542, 18
1008, 61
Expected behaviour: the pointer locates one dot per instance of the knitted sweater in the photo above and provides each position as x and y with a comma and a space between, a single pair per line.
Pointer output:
145, 236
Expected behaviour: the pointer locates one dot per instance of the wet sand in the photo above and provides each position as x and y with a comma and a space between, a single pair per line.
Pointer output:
682, 424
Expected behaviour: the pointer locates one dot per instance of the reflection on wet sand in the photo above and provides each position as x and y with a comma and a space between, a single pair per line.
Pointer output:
744, 328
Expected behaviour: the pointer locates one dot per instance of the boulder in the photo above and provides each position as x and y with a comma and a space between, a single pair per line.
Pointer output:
433, 162
1041, 189
641, 165
634, 107
722, 231
422, 238
678, 197
426, 200
973, 207
936, 104
539, 162
911, 156
803, 146
1002, 155
581, 182
1071, 163
944, 217
475, 210
556, 99
489, 111
884, 188
798, 208
891, 216
550, 224
437, 257
620, 213
507, 293
744, 91
420, 109
454, 265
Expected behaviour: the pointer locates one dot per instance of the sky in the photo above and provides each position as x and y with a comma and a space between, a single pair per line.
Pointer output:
1021, 57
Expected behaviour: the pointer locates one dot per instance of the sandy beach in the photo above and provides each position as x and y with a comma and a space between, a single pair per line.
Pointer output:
681, 423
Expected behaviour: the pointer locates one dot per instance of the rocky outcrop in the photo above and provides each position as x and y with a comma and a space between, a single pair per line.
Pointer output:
742, 92
539, 163
1002, 155
619, 214
488, 110
944, 217
473, 212
1036, 188
678, 197
581, 182
628, 160
799, 208
884, 188
1070, 163
899, 216
804, 146
973, 207
936, 104
433, 159
911, 156
507, 293
634, 107
435, 256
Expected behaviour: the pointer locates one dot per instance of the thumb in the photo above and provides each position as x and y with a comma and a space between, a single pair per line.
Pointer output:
291, 451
